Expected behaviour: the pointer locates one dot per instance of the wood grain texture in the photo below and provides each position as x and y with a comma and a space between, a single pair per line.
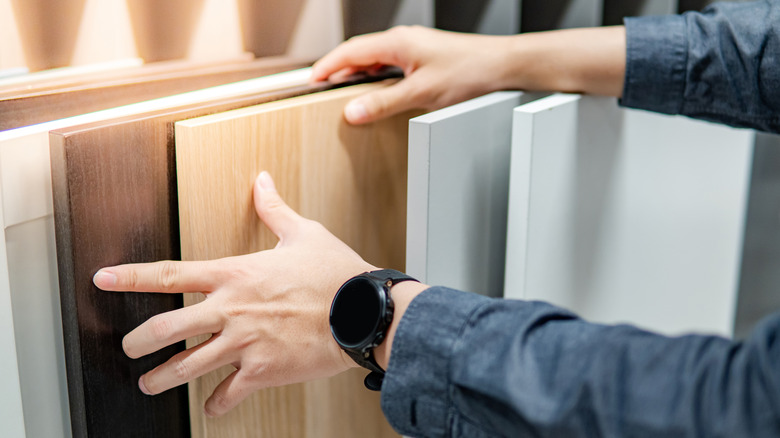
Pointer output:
351, 179
104, 215
136, 85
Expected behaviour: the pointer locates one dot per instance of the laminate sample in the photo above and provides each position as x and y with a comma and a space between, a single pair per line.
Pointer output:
350, 178
365, 16
458, 191
25, 163
65, 76
100, 221
539, 15
616, 10
627, 216
494, 17
144, 83
11, 410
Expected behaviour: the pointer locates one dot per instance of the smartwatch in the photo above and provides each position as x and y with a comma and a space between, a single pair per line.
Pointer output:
360, 315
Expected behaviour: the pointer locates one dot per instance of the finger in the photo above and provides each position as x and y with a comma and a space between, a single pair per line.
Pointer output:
359, 52
274, 212
227, 395
171, 327
184, 367
382, 103
166, 276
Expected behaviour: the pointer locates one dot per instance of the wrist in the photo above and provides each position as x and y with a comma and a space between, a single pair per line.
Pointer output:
402, 295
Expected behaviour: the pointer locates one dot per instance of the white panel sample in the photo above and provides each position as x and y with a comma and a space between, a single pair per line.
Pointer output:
32, 265
11, 410
627, 216
457, 193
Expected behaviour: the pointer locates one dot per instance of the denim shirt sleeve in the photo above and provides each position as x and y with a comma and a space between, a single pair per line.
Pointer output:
721, 65
463, 365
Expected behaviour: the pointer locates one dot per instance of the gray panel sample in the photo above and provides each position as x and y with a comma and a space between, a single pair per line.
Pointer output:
627, 216
457, 193
760, 278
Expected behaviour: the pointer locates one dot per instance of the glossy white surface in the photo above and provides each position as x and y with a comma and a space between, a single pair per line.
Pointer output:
11, 410
457, 194
627, 216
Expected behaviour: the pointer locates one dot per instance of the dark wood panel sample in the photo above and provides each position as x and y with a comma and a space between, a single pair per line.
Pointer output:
114, 188
26, 109
364, 16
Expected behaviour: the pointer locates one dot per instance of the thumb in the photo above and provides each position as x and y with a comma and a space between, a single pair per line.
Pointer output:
272, 210
380, 104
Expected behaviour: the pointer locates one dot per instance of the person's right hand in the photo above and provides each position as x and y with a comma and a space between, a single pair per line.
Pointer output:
441, 68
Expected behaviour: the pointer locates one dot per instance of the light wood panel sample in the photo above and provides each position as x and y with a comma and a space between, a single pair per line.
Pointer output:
627, 216
135, 85
458, 191
351, 179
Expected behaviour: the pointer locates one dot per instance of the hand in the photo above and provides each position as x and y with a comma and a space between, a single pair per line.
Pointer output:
267, 312
441, 68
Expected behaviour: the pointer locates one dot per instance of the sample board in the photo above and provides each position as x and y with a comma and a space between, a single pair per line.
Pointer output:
30, 242
458, 190
106, 218
132, 85
350, 178
627, 216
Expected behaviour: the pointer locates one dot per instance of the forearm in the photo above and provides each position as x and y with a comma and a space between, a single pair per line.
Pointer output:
590, 60
465, 365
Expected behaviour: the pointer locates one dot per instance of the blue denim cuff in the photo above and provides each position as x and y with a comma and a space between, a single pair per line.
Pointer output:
656, 59
415, 392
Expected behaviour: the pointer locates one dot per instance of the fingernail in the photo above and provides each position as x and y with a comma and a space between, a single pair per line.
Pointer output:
103, 279
142, 386
355, 112
207, 413
266, 182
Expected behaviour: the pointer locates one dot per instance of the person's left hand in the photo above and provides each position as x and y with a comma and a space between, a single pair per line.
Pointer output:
267, 312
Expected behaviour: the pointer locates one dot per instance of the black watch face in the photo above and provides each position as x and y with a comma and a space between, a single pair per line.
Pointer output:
356, 313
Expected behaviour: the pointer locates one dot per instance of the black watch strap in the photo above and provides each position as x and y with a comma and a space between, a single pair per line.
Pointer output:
373, 380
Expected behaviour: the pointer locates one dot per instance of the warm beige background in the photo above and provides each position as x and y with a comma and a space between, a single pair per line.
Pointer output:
106, 32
